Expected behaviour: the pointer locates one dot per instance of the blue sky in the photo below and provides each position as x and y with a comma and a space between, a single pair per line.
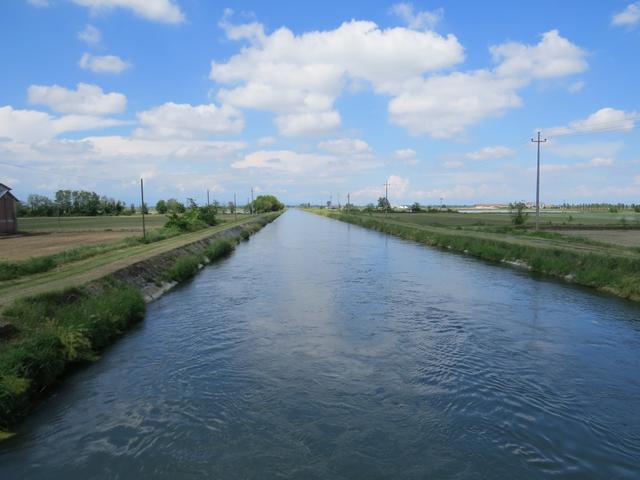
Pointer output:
440, 99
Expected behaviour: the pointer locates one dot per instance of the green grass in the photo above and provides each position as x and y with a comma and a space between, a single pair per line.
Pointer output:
55, 331
616, 274
100, 223
548, 219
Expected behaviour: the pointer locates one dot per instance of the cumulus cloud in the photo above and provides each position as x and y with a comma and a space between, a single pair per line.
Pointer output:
103, 63
417, 20
554, 56
346, 147
90, 35
32, 126
284, 161
630, 16
174, 120
490, 153
404, 154
308, 123
604, 119
86, 99
299, 77
164, 11
443, 106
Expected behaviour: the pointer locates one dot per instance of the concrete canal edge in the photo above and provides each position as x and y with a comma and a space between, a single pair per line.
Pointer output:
83, 321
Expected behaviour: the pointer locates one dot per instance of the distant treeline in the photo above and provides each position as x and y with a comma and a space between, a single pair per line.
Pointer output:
73, 203
608, 207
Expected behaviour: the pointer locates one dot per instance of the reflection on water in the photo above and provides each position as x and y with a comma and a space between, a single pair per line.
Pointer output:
323, 350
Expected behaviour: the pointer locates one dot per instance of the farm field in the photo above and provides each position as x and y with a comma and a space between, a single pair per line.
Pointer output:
88, 269
21, 247
624, 238
548, 219
46, 235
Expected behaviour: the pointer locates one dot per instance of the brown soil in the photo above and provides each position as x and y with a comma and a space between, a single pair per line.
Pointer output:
20, 247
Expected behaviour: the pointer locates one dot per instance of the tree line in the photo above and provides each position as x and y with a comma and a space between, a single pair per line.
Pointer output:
73, 203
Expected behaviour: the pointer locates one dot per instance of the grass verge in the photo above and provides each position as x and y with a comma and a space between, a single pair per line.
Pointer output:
56, 330
614, 274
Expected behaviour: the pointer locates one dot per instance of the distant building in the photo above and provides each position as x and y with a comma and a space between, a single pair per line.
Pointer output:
8, 211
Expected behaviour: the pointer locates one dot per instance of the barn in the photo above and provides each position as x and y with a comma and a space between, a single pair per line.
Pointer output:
8, 209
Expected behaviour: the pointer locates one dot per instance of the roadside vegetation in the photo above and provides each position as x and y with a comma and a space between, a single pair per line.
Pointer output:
612, 269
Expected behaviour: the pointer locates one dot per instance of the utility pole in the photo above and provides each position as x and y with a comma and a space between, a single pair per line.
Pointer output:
348, 202
538, 141
252, 200
208, 197
235, 207
144, 227
386, 194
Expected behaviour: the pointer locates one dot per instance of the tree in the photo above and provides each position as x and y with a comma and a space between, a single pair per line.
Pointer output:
174, 206
518, 215
161, 207
266, 203
232, 207
415, 208
383, 203
369, 208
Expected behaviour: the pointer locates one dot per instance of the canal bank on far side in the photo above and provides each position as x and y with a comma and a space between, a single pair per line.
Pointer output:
613, 271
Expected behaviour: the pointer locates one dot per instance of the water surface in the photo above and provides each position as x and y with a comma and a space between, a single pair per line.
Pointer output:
323, 350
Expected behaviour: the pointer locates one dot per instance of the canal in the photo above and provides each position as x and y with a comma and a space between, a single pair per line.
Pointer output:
324, 350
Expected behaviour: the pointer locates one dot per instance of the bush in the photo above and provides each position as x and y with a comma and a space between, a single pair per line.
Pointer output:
518, 214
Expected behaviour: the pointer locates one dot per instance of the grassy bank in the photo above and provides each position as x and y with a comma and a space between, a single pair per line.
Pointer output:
56, 330
42, 336
616, 274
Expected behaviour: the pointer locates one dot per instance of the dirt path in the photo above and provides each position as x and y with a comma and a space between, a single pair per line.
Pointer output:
84, 271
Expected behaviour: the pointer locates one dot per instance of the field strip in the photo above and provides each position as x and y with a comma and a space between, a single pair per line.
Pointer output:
84, 271
547, 243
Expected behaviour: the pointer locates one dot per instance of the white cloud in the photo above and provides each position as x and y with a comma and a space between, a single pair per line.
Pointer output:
32, 125
603, 120
628, 17
443, 106
284, 161
346, 147
310, 123
90, 35
173, 120
85, 100
417, 20
299, 77
103, 63
404, 153
165, 11
554, 56
266, 141
490, 153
